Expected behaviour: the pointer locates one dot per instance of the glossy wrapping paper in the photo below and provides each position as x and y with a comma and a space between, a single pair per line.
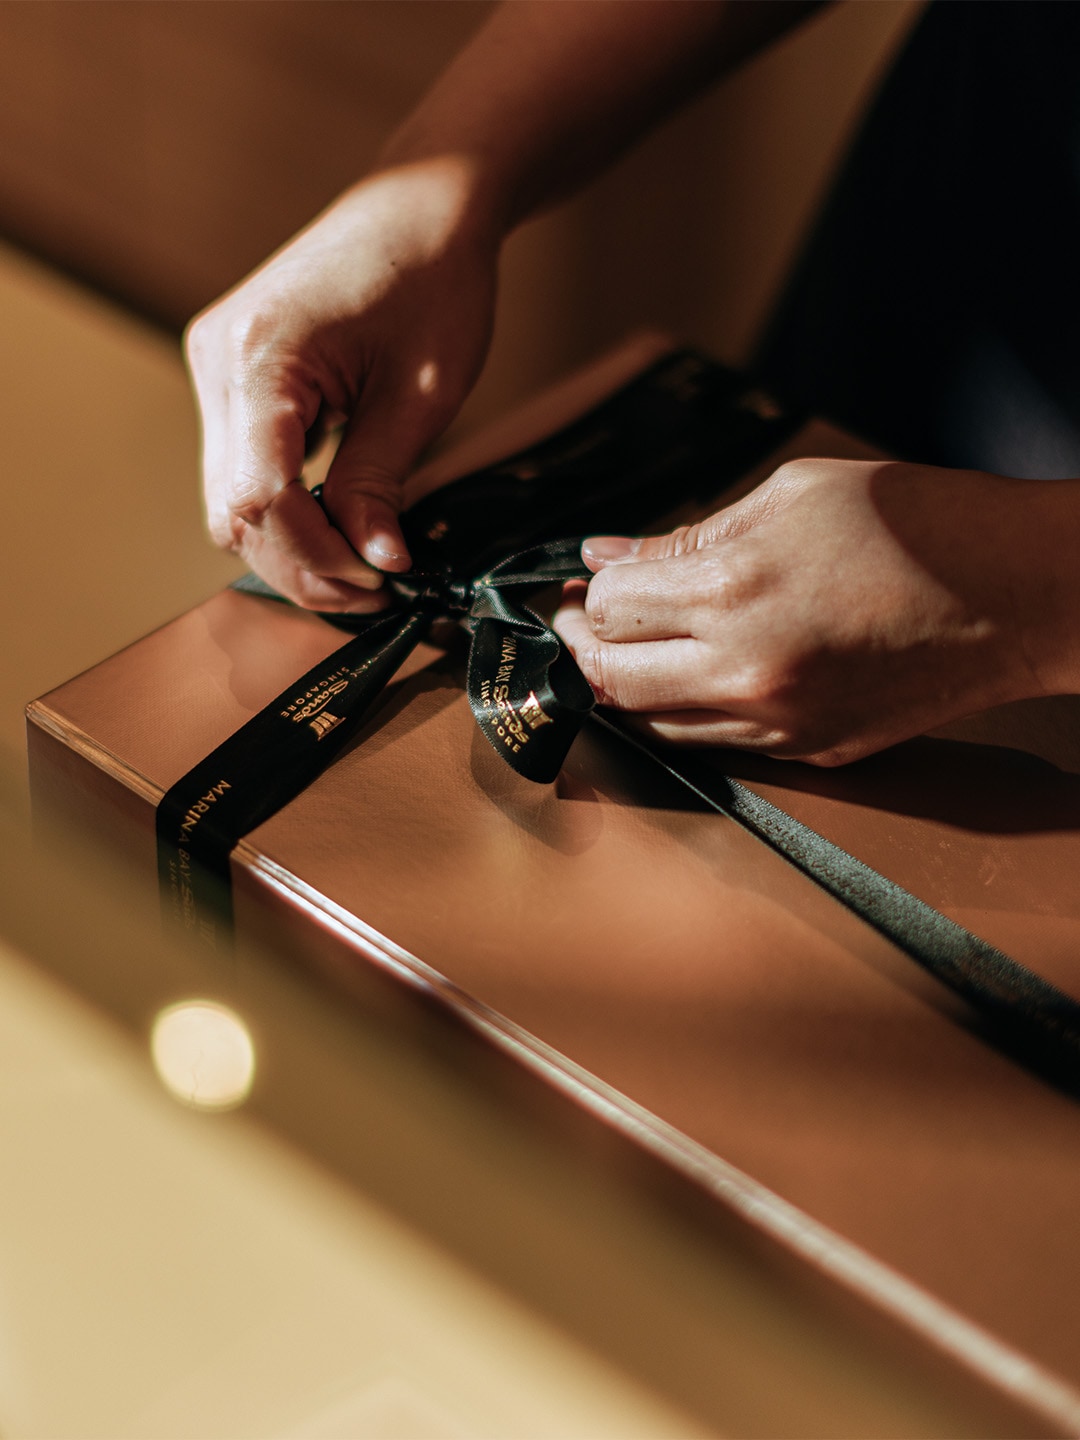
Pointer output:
660, 948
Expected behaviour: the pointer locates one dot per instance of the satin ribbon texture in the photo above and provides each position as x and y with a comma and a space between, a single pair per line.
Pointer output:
524, 687
681, 431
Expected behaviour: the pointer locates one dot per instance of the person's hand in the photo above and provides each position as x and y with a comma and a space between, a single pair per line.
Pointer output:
839, 608
377, 315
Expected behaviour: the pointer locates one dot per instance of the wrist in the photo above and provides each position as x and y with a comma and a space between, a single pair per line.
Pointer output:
1046, 581
479, 185
420, 211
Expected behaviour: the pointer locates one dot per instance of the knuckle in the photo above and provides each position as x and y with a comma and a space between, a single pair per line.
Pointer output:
196, 340
720, 579
594, 665
246, 348
790, 472
828, 758
224, 532
683, 541
240, 336
686, 539
598, 603
250, 336
254, 353
248, 503
763, 683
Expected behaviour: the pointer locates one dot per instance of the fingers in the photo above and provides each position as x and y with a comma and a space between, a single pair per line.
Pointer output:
298, 529
299, 553
663, 684
254, 438
692, 594
634, 603
600, 551
254, 430
362, 493
393, 425
253, 435
674, 689
652, 675
314, 592
671, 636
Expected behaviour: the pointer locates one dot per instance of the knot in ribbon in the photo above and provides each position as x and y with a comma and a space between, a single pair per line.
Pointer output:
441, 594
525, 689
526, 692
677, 432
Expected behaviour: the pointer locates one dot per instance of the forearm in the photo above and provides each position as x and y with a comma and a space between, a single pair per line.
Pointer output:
550, 91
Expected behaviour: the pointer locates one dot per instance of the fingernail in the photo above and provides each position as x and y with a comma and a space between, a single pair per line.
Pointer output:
386, 555
609, 549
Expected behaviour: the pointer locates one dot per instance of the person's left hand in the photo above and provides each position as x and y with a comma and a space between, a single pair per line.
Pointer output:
842, 606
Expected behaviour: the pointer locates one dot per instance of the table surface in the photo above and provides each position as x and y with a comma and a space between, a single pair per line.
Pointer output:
263, 1272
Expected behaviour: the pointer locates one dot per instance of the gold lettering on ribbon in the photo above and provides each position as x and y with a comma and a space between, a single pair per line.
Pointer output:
310, 704
533, 713
512, 725
324, 723
318, 693
199, 809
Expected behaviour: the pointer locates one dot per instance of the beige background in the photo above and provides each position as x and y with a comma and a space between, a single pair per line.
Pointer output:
162, 150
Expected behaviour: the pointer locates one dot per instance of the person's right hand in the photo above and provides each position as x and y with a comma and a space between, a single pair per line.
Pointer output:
379, 315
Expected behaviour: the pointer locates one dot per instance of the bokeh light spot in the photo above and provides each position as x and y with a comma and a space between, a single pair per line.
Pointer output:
203, 1054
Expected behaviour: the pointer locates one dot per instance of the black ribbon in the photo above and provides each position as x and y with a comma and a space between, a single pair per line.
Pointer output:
679, 432
1017, 1010
682, 431
525, 689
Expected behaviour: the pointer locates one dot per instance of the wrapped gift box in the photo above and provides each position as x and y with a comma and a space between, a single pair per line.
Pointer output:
656, 961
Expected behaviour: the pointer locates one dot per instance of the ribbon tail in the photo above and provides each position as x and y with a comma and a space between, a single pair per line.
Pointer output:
1027, 1017
526, 692
264, 765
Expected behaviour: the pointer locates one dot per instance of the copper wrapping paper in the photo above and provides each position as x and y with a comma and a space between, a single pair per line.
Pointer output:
665, 950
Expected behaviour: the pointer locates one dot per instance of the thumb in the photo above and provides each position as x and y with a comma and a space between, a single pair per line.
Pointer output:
599, 551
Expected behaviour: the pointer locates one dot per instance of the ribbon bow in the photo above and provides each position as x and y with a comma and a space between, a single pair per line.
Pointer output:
526, 692
680, 430
525, 689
